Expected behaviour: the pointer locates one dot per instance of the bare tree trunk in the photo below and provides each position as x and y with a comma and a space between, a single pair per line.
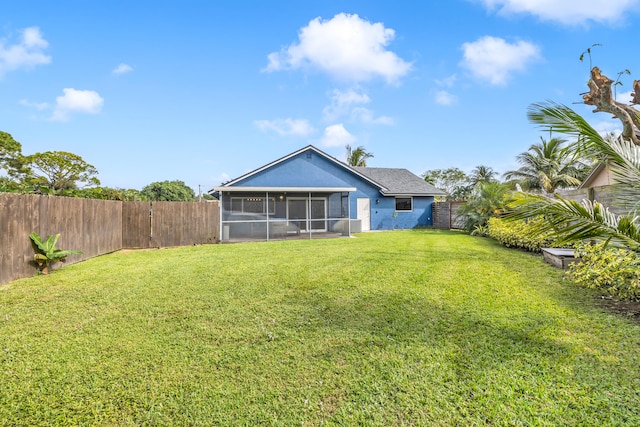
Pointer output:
600, 96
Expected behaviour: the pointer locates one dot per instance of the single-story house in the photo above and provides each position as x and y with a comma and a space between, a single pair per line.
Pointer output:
310, 194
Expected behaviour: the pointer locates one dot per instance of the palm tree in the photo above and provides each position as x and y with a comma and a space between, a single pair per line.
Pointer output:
573, 221
482, 174
357, 156
548, 166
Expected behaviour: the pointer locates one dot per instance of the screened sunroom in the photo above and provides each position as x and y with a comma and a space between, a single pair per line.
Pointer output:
277, 213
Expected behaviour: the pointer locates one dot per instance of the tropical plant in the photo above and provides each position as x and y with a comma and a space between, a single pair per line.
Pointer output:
548, 166
489, 199
47, 253
357, 156
573, 221
481, 174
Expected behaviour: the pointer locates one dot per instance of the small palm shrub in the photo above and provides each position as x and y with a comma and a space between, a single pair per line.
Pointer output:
518, 234
614, 270
489, 200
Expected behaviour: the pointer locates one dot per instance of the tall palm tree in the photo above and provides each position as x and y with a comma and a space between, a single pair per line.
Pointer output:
573, 221
357, 156
548, 166
482, 174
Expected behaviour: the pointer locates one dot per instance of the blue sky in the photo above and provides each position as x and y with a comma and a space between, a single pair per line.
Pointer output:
204, 91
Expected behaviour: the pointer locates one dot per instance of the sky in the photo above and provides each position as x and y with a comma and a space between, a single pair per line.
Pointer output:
205, 91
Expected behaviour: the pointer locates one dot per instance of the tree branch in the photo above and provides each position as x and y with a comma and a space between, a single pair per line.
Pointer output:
600, 96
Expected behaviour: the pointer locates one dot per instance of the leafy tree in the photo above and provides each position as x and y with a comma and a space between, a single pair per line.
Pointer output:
548, 166
169, 191
357, 156
10, 149
106, 193
55, 172
11, 159
452, 181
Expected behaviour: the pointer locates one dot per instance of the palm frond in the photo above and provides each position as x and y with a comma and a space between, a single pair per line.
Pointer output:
571, 221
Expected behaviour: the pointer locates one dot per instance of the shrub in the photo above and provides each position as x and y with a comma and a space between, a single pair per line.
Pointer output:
519, 234
614, 270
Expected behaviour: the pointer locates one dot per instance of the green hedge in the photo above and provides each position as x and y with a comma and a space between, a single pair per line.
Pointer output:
519, 234
614, 270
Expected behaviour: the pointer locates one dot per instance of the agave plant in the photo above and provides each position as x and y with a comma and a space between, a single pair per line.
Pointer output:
47, 253
573, 221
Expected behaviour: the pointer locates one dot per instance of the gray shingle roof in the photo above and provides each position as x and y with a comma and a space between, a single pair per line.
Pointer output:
399, 182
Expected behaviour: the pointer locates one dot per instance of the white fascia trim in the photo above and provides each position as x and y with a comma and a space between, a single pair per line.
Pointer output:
411, 194
286, 189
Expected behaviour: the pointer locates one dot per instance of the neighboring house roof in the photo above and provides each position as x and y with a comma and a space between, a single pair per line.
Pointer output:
600, 175
389, 181
400, 182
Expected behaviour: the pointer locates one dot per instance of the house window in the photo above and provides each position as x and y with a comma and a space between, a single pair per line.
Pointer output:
256, 205
404, 204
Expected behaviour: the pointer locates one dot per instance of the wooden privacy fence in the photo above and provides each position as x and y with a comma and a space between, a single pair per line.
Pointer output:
445, 215
97, 227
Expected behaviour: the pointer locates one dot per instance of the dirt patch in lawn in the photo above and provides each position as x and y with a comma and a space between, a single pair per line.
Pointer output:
627, 309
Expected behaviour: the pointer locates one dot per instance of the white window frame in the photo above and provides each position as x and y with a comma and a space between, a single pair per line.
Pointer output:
271, 200
403, 210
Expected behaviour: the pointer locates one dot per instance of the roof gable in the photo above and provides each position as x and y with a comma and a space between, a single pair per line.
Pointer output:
298, 165
311, 167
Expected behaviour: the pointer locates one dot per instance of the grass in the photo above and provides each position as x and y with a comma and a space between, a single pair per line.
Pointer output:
397, 328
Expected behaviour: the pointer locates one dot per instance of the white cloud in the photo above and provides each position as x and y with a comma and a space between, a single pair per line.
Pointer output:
286, 127
493, 59
122, 69
606, 127
336, 136
447, 81
365, 115
342, 103
445, 98
346, 47
568, 12
27, 53
624, 97
349, 103
76, 101
222, 177
37, 105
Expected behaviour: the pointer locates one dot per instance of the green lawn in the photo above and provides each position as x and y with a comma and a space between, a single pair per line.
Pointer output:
397, 328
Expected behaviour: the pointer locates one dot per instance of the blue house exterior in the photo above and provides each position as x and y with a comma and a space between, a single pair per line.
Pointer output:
311, 194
